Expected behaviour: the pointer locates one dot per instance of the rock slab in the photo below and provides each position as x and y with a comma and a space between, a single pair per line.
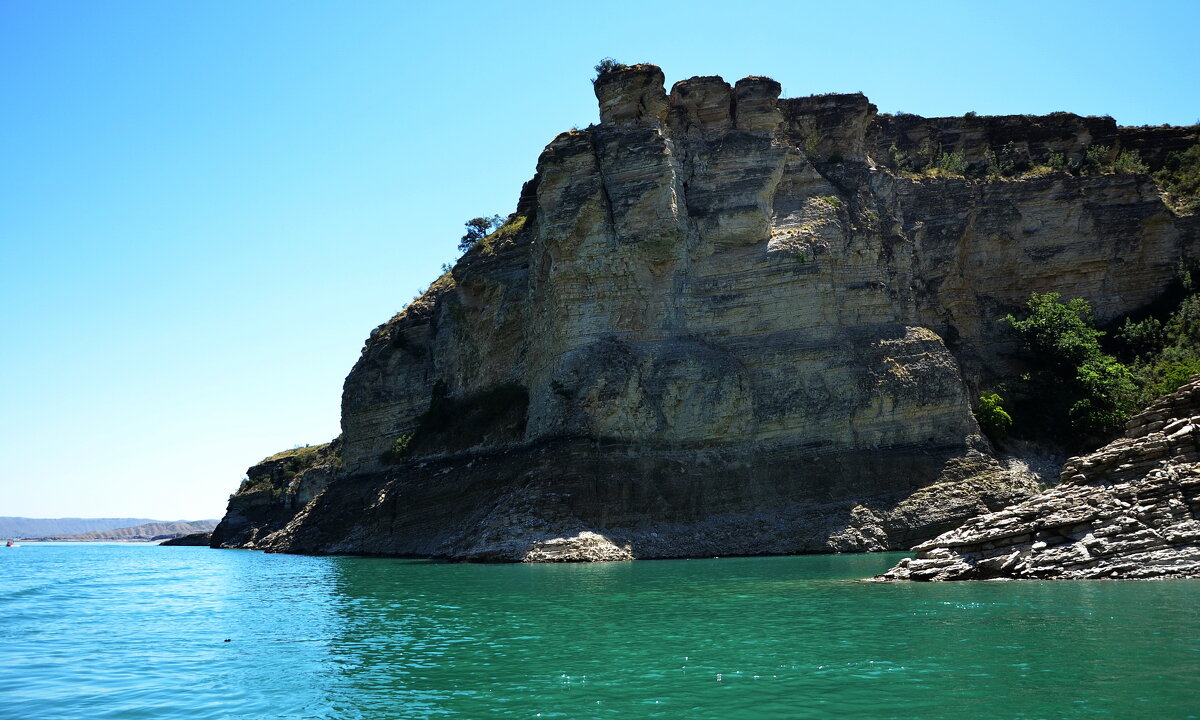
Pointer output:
1129, 510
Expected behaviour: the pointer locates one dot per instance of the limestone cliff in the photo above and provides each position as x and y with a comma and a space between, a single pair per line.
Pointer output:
1129, 510
273, 492
721, 322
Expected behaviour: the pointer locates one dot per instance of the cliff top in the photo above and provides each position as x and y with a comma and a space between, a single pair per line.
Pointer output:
630, 85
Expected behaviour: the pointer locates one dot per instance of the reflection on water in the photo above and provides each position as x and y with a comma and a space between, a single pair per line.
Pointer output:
130, 632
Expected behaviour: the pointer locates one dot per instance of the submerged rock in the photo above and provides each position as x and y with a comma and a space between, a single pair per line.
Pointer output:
1128, 510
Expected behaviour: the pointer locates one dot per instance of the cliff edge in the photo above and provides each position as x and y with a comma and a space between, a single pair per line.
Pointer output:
721, 322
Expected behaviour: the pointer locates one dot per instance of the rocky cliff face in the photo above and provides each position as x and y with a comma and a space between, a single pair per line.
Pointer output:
273, 492
1129, 510
723, 323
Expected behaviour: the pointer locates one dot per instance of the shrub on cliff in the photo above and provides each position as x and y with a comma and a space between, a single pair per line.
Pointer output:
1129, 161
1060, 334
994, 420
1180, 179
1096, 159
477, 229
606, 66
400, 450
1073, 384
1174, 352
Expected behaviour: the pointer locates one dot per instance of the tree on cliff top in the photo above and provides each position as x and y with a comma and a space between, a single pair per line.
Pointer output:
477, 229
606, 66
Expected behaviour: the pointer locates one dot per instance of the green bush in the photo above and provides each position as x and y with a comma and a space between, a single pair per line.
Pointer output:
993, 420
954, 163
1095, 158
1059, 334
1129, 161
812, 142
1179, 179
1140, 339
1005, 162
400, 450
1107, 396
1075, 392
1177, 357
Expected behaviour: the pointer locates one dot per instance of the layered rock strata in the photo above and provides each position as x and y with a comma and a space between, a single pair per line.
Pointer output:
718, 323
274, 490
1128, 510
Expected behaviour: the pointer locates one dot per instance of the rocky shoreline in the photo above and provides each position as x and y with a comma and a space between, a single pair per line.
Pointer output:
1130, 510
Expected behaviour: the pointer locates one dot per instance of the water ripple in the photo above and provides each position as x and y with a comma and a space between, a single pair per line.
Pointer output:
94, 631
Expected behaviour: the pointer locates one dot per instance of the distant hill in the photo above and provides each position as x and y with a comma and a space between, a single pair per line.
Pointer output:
21, 527
147, 531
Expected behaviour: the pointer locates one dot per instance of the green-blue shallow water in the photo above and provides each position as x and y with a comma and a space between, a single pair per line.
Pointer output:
135, 631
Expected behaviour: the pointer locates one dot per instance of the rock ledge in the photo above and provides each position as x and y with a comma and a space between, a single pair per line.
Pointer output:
1129, 510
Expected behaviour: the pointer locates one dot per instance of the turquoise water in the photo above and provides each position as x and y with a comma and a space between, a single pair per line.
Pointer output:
135, 631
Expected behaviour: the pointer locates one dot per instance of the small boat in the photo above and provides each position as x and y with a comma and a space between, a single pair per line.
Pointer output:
10, 543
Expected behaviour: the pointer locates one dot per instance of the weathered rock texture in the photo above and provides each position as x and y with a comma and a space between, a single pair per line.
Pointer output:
274, 491
719, 323
1128, 510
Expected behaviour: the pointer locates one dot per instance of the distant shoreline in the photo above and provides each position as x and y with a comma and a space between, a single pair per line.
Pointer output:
43, 541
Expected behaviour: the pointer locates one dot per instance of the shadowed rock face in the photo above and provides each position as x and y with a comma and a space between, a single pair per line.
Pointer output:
733, 331
1128, 510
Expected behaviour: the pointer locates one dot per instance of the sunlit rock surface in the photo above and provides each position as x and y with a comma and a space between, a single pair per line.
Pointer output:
721, 322
1129, 510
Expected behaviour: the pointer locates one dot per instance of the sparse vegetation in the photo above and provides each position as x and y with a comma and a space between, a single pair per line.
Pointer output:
1099, 159
1163, 351
477, 229
1095, 158
952, 164
606, 66
812, 142
1179, 180
498, 231
400, 450
273, 474
1005, 162
1129, 161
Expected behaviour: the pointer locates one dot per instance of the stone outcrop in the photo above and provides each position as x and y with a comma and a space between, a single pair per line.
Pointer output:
201, 539
273, 492
718, 323
1128, 510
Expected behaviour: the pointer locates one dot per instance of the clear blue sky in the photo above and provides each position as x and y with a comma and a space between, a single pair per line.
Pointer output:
205, 207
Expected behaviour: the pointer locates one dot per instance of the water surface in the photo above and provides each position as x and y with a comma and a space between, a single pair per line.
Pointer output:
135, 631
